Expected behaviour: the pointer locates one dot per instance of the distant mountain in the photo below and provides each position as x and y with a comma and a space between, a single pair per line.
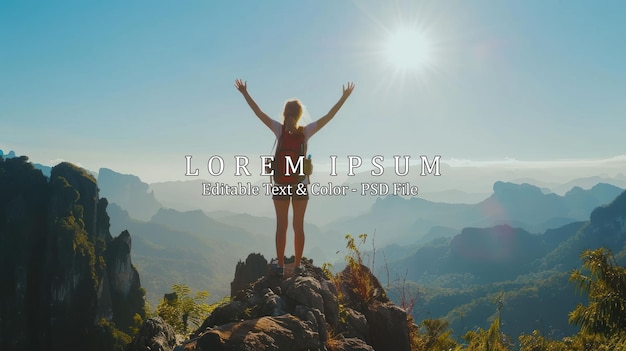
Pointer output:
502, 252
605, 228
517, 205
186, 248
526, 203
44, 169
321, 245
619, 181
495, 253
453, 196
500, 249
487, 255
129, 192
437, 232
463, 275
187, 195
262, 226
11, 154
560, 187
457, 185
165, 257
199, 223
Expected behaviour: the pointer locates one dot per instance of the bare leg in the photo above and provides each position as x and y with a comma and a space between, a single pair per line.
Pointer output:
299, 207
282, 212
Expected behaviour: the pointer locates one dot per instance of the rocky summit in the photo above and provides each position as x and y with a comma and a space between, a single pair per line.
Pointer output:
312, 310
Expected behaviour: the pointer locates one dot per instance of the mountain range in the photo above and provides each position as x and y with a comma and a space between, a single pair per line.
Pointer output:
409, 220
221, 237
519, 242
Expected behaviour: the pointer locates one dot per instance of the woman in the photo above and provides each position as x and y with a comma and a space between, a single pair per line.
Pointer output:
291, 116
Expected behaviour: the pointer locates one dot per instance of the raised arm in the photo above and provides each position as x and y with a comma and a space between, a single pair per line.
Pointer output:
320, 123
243, 89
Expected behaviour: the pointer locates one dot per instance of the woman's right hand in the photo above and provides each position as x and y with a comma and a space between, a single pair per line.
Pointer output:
241, 85
347, 90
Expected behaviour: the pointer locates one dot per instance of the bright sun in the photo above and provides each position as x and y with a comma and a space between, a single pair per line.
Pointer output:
408, 49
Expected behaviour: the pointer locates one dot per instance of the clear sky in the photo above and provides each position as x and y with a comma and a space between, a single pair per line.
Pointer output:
136, 85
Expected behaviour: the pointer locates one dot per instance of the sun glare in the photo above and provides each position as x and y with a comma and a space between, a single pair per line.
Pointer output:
404, 48
408, 49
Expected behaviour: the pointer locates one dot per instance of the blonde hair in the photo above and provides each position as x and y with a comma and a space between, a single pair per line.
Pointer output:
294, 105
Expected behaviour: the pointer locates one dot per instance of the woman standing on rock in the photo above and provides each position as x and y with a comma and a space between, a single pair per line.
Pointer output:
287, 188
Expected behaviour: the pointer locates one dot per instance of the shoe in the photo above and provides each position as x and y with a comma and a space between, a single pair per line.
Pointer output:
298, 270
276, 270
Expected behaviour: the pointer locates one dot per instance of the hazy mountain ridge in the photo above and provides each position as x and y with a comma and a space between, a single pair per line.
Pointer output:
510, 204
200, 223
516, 205
170, 250
456, 185
464, 274
262, 226
128, 191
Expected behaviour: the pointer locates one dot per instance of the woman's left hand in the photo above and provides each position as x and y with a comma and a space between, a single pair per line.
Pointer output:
241, 85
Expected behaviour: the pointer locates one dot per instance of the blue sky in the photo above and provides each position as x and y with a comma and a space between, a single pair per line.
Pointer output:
135, 86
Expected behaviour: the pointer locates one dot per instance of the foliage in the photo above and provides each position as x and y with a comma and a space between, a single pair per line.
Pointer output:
605, 285
106, 337
579, 342
327, 269
487, 340
408, 294
180, 309
359, 279
438, 336
536, 342
603, 320
137, 322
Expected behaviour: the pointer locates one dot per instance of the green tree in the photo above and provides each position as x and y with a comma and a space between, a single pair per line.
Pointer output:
605, 284
536, 342
180, 309
491, 339
437, 336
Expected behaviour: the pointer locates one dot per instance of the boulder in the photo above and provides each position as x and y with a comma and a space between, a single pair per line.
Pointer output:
305, 291
154, 334
389, 328
284, 333
355, 325
349, 344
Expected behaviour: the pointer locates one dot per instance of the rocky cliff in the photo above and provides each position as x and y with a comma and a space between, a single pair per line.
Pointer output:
308, 311
67, 283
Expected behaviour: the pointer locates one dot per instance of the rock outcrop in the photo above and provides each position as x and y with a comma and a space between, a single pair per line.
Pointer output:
308, 311
65, 280
154, 334
248, 272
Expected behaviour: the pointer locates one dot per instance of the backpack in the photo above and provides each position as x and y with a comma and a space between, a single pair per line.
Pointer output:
291, 146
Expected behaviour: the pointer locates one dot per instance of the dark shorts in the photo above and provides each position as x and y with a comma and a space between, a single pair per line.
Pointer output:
298, 191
